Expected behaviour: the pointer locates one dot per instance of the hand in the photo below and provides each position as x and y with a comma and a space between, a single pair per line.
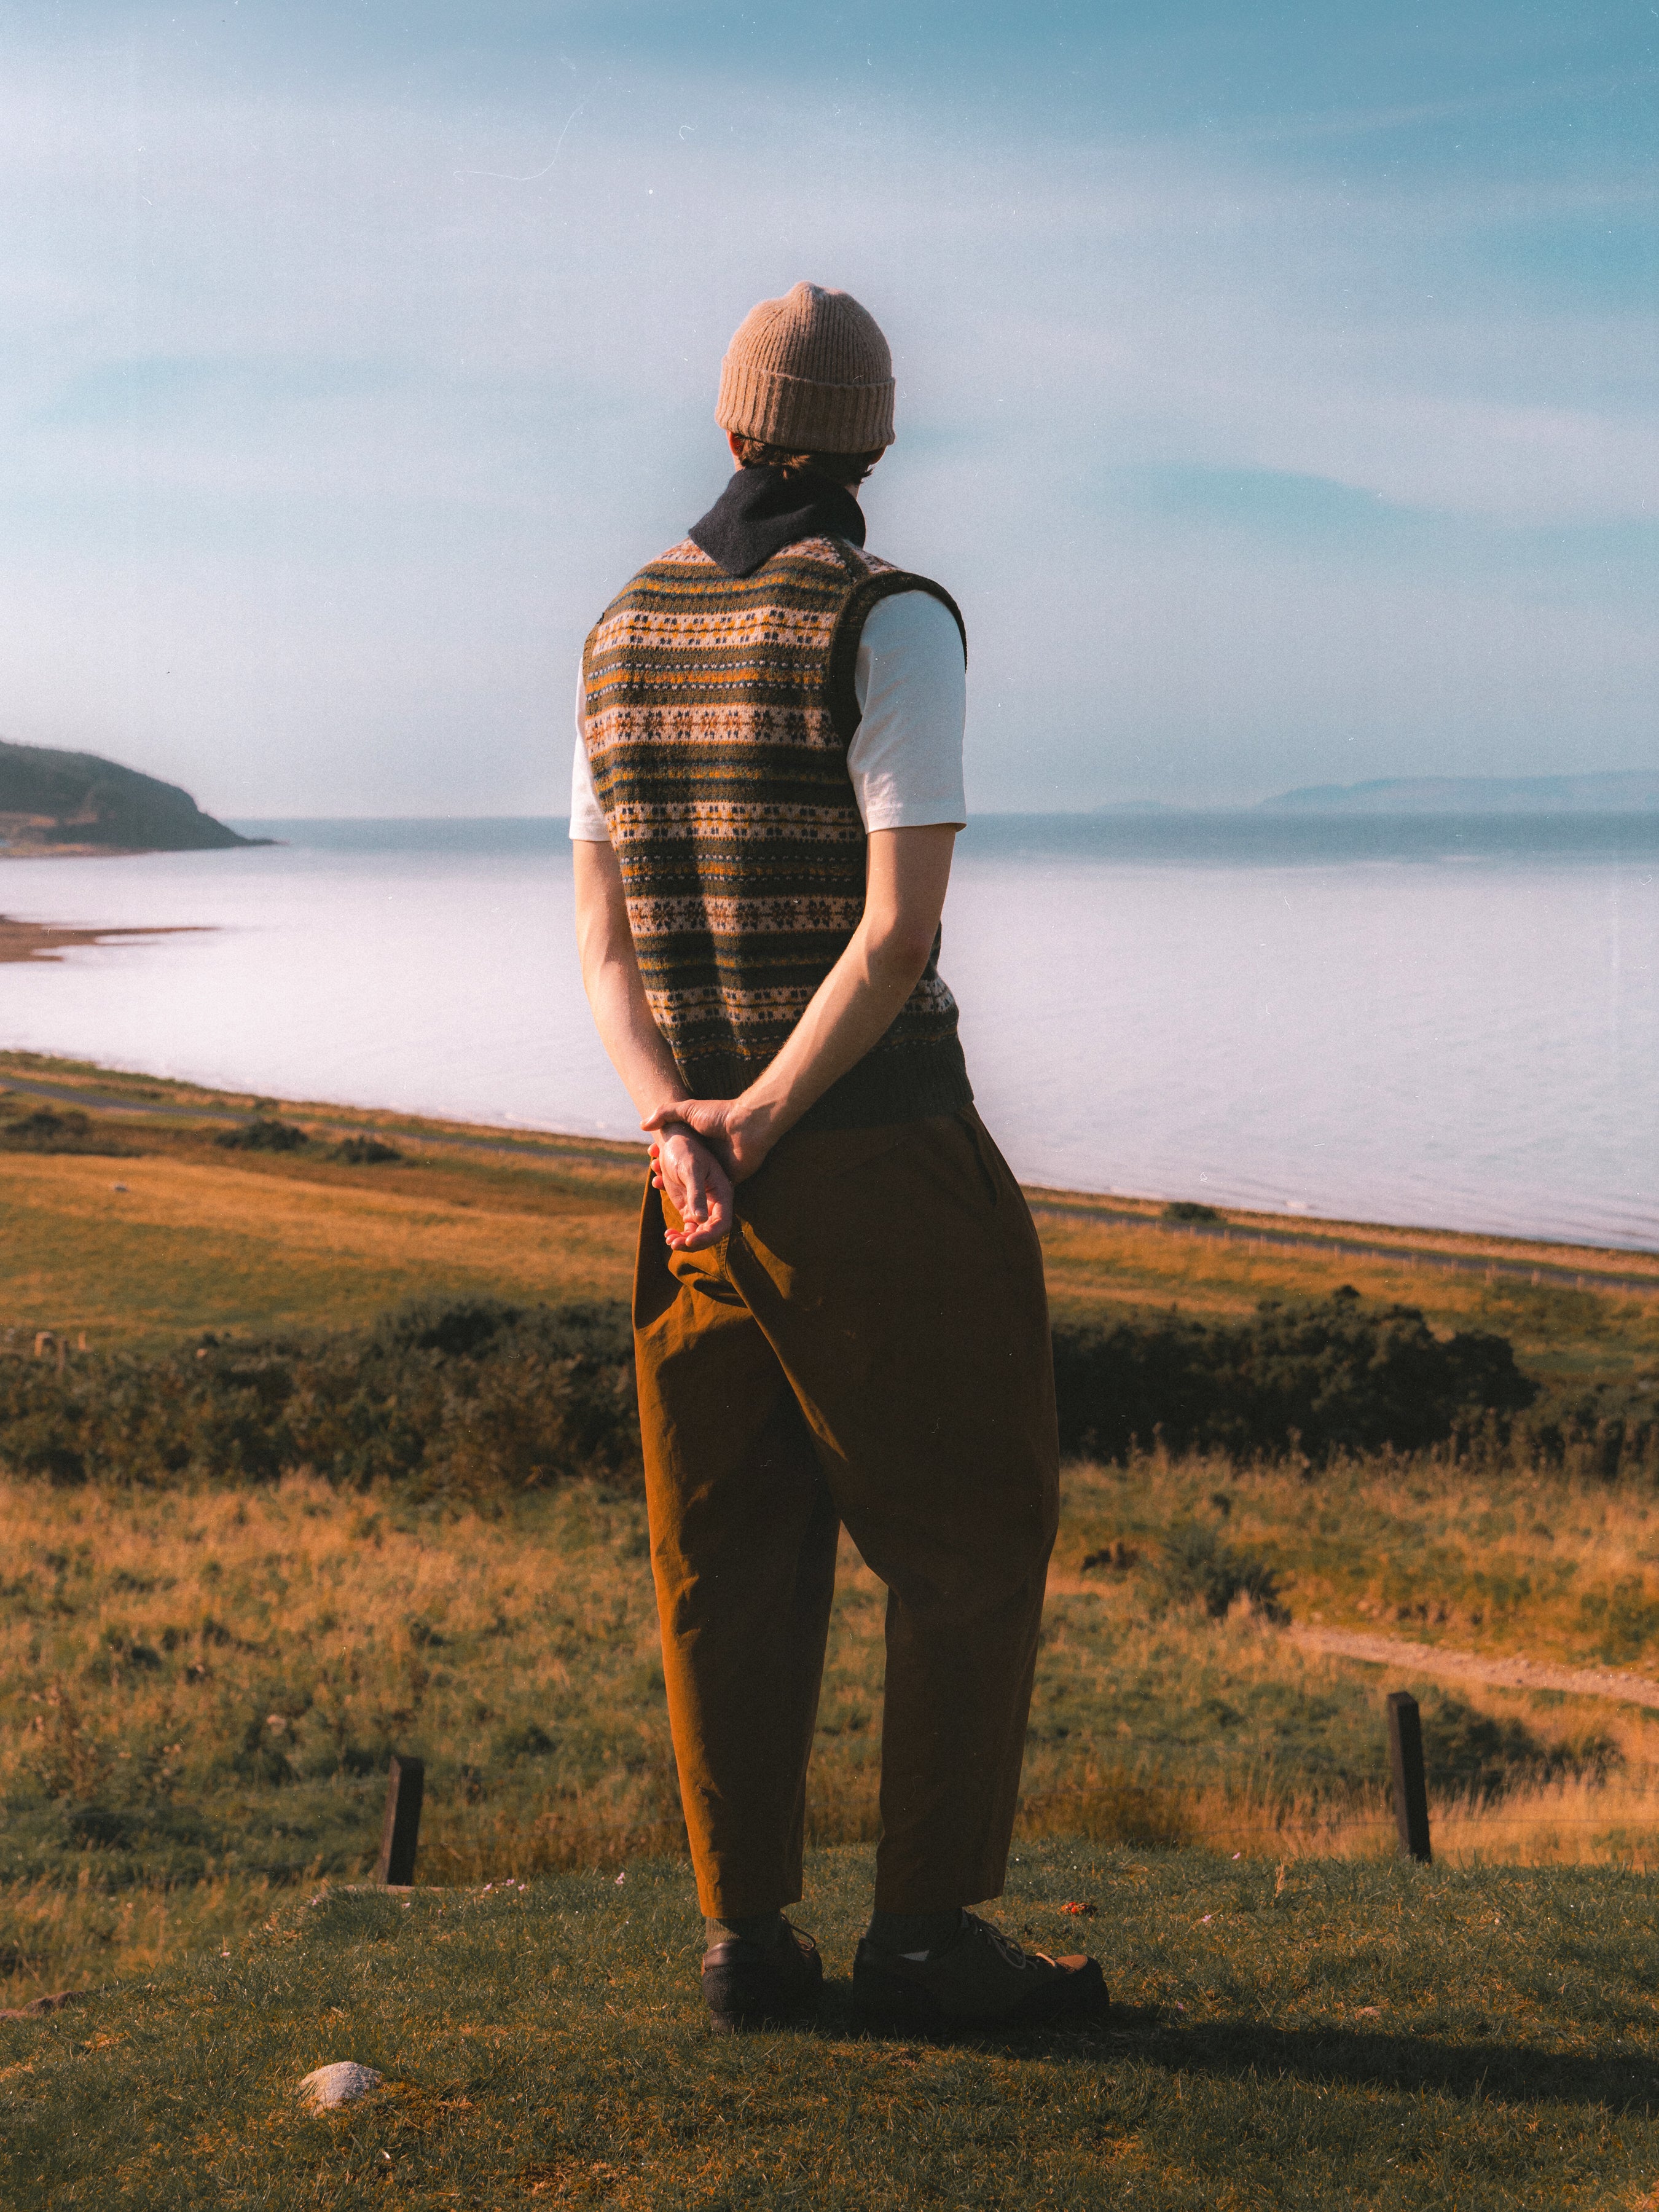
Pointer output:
734, 1132
688, 1174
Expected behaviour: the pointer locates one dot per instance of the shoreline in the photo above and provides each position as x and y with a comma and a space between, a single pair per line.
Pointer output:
1540, 1262
50, 940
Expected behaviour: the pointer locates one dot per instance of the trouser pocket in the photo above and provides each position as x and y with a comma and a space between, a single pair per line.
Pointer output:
992, 1168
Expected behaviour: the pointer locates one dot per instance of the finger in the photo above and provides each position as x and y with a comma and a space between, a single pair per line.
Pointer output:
697, 1204
711, 1223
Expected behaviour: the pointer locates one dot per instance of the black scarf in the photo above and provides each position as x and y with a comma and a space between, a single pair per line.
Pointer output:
762, 510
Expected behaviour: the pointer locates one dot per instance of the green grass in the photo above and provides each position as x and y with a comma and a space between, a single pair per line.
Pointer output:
197, 1238
205, 1238
1336, 2036
204, 1688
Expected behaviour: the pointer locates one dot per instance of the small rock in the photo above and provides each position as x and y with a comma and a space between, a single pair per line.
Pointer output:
339, 2084
38, 2007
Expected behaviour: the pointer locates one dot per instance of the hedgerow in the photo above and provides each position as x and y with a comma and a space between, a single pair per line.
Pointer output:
471, 1397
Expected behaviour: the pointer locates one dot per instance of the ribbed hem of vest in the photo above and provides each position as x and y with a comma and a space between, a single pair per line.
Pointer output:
906, 1084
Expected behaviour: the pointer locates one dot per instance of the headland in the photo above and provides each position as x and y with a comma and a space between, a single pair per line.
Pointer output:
59, 804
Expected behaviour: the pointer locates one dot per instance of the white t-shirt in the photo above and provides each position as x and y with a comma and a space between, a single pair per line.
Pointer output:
906, 758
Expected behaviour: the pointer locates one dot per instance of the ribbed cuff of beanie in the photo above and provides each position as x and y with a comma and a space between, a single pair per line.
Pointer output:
806, 417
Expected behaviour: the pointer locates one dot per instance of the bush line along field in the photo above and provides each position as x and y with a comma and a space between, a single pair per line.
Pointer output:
205, 1673
474, 1398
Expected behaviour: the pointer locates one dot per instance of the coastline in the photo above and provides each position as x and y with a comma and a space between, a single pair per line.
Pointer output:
1436, 1043
1537, 1261
50, 940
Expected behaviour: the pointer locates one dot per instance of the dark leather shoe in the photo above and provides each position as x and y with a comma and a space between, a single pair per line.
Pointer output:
756, 1985
979, 1979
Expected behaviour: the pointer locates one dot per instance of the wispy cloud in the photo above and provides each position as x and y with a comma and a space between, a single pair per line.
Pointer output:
335, 408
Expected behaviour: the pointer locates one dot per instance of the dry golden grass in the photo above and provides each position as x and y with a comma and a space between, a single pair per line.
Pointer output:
86, 1932
202, 1239
295, 1636
222, 1674
1577, 1821
1096, 1269
193, 1243
1510, 1565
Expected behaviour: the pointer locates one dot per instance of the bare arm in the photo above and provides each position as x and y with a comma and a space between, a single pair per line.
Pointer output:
907, 874
686, 1168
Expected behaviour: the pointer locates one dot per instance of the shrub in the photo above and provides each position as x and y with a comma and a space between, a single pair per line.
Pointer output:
363, 1152
1598, 1431
53, 1129
465, 1398
475, 1396
262, 1135
455, 1326
1198, 1564
1320, 1376
1189, 1209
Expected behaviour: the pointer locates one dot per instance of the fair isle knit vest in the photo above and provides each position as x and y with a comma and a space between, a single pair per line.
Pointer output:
717, 711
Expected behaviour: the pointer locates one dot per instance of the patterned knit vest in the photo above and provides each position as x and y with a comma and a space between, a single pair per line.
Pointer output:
717, 711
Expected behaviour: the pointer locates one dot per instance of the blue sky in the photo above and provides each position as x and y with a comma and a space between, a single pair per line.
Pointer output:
1277, 384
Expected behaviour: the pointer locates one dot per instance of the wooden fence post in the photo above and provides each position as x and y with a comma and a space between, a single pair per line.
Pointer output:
1411, 1795
400, 1834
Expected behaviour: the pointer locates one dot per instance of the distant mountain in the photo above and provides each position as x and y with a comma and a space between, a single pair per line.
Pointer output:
54, 802
1634, 793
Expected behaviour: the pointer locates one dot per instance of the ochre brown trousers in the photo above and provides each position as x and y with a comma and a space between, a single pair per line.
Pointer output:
869, 1346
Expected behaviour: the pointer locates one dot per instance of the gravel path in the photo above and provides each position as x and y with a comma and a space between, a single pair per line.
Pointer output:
1507, 1674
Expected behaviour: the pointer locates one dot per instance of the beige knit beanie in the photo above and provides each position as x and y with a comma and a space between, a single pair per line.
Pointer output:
811, 372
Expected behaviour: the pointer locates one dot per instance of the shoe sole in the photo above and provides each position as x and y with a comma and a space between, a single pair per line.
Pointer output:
740, 2001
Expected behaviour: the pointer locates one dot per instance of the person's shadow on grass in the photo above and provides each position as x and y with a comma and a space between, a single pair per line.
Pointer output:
1509, 2073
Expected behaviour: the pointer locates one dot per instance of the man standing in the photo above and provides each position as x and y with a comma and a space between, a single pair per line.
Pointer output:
839, 1306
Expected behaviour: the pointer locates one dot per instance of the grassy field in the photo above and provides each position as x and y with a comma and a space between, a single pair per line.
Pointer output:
202, 1687
1313, 2035
203, 1238
204, 1691
176, 1234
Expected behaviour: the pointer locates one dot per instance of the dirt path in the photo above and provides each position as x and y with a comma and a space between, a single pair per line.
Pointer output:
1505, 1674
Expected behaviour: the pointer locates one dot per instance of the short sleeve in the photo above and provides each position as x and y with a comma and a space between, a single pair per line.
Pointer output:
905, 759
586, 815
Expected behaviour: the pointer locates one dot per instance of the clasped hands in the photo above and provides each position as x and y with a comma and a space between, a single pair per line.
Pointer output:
703, 1147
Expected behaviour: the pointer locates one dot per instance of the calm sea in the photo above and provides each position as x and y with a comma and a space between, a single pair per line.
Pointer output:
1435, 1022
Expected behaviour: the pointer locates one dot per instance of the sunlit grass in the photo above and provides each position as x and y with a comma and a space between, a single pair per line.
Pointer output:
1430, 1548
1094, 1268
1312, 2036
188, 1243
203, 1688
203, 1239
